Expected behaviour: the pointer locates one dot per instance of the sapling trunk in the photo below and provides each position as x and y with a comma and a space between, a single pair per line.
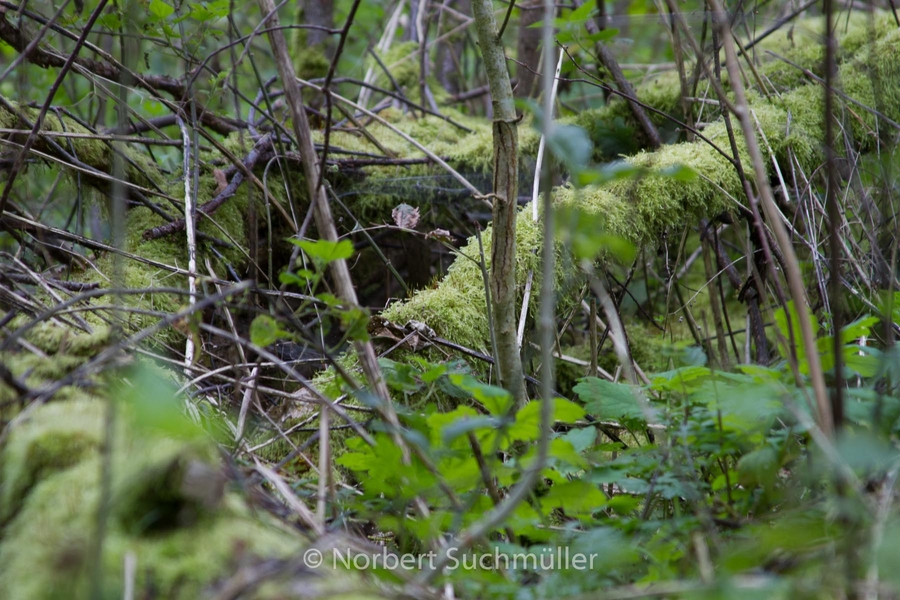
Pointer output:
506, 177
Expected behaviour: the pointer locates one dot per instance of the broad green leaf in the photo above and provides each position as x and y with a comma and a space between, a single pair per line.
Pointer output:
863, 360
264, 330
790, 333
300, 278
399, 376
582, 13
611, 401
744, 408
153, 405
679, 173
527, 424
329, 299
610, 172
110, 20
566, 411
160, 9
858, 328
432, 374
602, 36
571, 145
866, 454
438, 422
576, 498
584, 232
465, 426
758, 467
563, 450
355, 322
496, 400
681, 379
581, 438
324, 251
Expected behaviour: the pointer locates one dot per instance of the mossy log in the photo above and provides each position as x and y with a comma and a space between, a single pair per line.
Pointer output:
167, 507
642, 210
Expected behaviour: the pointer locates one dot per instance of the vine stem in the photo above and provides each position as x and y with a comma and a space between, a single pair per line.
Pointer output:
792, 267
322, 213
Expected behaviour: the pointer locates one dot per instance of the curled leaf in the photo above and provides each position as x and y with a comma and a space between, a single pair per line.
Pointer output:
405, 216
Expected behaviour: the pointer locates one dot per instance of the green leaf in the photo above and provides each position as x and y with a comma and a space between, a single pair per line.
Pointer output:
110, 20
160, 9
438, 422
584, 232
329, 299
571, 145
602, 36
863, 360
681, 173
859, 328
758, 467
399, 376
581, 439
465, 426
432, 374
681, 379
566, 411
153, 404
355, 322
324, 251
611, 401
264, 331
219, 8
576, 498
612, 172
527, 425
299, 278
582, 13
791, 332
744, 407
496, 400
563, 450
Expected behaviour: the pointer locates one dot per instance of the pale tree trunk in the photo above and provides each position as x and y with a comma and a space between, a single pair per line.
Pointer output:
529, 50
449, 52
321, 14
506, 175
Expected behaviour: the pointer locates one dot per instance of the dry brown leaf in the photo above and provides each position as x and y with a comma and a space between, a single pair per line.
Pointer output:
441, 235
406, 216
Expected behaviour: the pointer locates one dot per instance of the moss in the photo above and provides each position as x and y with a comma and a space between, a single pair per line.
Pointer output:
662, 91
184, 532
644, 209
139, 168
457, 307
53, 339
309, 62
61, 349
46, 550
59, 436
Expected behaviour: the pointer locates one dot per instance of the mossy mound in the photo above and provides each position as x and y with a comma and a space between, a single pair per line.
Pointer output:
56, 351
643, 209
458, 305
168, 510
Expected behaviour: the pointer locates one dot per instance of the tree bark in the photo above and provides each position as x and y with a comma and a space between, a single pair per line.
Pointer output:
528, 52
449, 54
506, 176
321, 14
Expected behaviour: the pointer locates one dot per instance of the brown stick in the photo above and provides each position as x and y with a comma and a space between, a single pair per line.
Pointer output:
322, 210
792, 266
610, 63
210, 207
505, 208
